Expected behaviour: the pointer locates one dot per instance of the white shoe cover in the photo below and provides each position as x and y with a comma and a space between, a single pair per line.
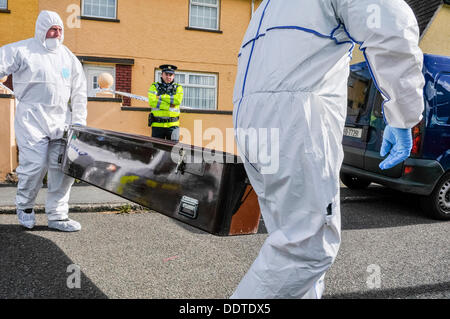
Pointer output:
67, 225
27, 220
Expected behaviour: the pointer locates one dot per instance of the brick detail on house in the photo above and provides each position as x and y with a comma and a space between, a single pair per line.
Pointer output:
123, 81
9, 82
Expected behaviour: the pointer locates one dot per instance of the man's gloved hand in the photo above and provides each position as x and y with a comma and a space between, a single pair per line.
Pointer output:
398, 143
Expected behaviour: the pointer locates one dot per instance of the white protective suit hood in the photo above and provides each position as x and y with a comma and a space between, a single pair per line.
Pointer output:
44, 82
44, 22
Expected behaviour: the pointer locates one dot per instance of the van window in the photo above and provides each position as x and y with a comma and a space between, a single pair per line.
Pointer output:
358, 89
377, 107
443, 98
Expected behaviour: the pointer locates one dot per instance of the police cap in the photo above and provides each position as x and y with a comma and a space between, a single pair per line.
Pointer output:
168, 68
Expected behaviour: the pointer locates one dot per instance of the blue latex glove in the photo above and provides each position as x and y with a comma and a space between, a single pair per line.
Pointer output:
77, 124
398, 143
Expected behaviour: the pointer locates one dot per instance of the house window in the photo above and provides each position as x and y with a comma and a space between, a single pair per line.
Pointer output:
99, 8
358, 86
204, 14
3, 4
92, 72
200, 89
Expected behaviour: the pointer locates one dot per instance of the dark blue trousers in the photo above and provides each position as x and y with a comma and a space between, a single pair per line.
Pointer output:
167, 133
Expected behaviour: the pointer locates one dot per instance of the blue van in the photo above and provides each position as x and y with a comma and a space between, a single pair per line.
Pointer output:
427, 171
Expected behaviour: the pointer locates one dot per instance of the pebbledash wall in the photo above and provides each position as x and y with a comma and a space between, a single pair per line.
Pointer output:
144, 35
17, 22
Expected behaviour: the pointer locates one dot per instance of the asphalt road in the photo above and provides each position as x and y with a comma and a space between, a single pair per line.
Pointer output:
389, 250
391, 235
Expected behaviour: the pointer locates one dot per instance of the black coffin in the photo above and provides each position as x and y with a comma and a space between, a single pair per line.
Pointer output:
204, 189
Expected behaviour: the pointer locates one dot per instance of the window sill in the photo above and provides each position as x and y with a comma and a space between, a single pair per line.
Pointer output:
205, 30
135, 108
5, 11
99, 19
95, 59
104, 99
200, 111
147, 109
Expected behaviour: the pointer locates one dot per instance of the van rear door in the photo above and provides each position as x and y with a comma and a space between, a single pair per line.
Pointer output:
372, 157
358, 115
437, 139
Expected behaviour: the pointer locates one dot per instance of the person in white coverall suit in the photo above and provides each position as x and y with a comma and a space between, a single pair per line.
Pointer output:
46, 75
292, 84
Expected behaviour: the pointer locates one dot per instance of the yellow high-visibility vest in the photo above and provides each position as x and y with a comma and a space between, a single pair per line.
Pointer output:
166, 108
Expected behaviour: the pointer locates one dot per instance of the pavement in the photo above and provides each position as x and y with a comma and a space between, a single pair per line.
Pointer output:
88, 198
83, 198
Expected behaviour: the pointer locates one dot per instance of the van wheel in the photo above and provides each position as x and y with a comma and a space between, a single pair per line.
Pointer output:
437, 204
354, 182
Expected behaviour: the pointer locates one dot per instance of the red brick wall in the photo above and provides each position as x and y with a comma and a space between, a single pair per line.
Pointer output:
9, 83
123, 81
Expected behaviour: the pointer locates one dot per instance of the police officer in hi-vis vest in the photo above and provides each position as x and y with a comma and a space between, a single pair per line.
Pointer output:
164, 98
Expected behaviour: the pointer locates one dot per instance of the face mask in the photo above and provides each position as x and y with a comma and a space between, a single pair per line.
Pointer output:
52, 43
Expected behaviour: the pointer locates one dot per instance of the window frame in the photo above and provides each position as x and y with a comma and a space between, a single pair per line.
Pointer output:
87, 67
192, 27
5, 9
104, 18
441, 105
364, 88
187, 85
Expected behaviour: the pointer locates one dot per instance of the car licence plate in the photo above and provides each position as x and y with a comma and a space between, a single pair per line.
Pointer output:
353, 132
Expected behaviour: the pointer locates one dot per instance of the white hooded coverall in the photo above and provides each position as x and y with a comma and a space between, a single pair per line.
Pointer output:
292, 82
44, 80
